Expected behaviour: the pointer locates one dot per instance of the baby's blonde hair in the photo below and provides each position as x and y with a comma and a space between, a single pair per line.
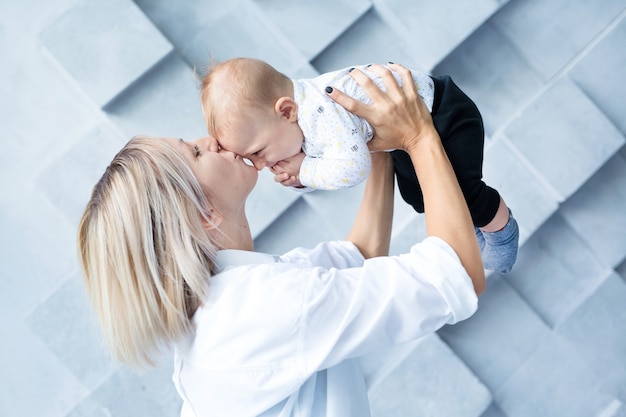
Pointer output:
235, 88
145, 255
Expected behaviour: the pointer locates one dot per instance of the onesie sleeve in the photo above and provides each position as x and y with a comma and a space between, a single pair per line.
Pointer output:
335, 140
336, 149
334, 173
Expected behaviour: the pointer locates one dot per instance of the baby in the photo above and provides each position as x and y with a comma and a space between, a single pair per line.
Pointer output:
309, 142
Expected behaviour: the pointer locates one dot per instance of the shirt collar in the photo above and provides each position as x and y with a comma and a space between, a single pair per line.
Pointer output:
229, 258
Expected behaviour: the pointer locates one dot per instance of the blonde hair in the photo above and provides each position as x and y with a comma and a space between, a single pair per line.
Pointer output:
233, 89
145, 255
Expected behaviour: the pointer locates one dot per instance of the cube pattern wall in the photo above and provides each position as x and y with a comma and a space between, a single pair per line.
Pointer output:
82, 77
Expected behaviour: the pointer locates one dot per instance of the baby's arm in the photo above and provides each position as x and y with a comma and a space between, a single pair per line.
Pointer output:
330, 173
336, 149
343, 164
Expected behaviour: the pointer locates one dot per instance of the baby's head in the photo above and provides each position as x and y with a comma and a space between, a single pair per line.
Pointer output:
248, 107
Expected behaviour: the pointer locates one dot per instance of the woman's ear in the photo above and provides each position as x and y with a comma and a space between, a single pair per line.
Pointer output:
213, 221
286, 107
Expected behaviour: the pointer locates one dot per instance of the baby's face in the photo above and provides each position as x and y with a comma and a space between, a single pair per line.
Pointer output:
264, 142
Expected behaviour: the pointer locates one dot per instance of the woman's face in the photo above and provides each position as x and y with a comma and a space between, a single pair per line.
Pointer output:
221, 173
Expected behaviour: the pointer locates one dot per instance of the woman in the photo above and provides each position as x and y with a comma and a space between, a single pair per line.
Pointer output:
167, 258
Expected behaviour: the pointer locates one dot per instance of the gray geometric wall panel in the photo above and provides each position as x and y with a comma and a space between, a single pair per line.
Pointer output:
80, 77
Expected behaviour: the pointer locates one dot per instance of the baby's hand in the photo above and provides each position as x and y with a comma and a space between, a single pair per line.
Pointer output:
287, 171
287, 180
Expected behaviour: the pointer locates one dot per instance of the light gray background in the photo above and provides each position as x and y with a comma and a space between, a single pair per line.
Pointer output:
79, 78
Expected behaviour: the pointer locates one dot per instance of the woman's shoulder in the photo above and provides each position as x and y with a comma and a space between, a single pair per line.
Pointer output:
243, 268
330, 254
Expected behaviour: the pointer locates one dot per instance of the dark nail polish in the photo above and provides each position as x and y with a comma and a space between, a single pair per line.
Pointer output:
369, 65
351, 69
329, 90
390, 62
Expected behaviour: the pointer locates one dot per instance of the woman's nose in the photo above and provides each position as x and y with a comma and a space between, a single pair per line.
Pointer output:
209, 143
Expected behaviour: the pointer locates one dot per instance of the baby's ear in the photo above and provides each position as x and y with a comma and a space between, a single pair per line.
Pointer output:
286, 107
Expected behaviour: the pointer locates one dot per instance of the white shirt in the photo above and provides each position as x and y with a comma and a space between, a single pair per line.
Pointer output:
335, 139
280, 336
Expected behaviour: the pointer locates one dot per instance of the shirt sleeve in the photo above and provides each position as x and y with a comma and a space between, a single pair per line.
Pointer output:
387, 301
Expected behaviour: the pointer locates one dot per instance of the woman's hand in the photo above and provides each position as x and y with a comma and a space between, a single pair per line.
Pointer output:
399, 117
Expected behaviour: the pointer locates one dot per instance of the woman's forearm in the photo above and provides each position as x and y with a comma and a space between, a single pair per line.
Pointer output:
447, 215
371, 232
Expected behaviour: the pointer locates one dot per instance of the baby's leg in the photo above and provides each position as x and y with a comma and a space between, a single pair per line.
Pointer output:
500, 240
460, 127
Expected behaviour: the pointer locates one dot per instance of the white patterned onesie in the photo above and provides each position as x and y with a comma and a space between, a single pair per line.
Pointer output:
335, 140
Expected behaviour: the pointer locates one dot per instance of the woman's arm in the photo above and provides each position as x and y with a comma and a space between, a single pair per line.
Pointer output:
402, 121
371, 232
